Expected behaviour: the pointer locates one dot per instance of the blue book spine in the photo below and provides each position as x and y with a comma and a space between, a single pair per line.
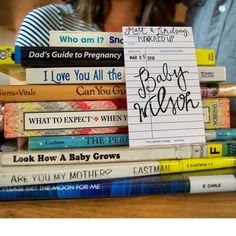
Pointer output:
108, 188
62, 142
140, 186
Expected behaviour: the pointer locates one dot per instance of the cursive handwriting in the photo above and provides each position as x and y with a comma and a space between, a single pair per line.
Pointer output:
158, 31
150, 84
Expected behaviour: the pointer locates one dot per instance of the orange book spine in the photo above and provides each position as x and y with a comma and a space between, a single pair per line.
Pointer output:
25, 93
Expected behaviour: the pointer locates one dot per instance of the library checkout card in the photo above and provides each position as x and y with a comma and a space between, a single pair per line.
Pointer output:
162, 84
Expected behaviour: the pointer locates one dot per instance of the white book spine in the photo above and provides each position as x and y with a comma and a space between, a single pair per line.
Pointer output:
75, 75
85, 39
60, 174
212, 73
92, 75
216, 183
101, 155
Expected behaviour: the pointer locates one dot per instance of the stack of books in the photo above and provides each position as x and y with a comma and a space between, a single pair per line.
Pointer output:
73, 124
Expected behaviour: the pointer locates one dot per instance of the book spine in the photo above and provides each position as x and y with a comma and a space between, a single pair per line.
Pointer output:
221, 149
64, 118
69, 75
81, 56
114, 154
24, 93
82, 141
209, 184
75, 75
127, 187
5, 55
68, 56
54, 118
205, 57
94, 189
216, 90
71, 156
216, 113
35, 176
221, 134
88, 39
32, 93
100, 155
213, 74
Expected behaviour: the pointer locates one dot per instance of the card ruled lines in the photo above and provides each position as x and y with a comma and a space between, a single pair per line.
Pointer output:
162, 85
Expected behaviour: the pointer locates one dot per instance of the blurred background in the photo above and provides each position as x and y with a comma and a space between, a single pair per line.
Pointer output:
12, 13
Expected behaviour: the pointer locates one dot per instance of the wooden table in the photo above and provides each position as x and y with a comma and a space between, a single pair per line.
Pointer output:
213, 205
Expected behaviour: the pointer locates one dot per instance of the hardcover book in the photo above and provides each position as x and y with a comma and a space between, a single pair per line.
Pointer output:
81, 56
217, 90
68, 56
65, 118
75, 75
34, 93
85, 39
77, 141
213, 74
89, 117
85, 75
216, 113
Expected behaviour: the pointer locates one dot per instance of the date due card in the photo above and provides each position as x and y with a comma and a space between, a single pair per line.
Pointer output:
162, 85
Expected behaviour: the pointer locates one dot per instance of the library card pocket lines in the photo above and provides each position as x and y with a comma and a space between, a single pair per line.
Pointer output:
162, 85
